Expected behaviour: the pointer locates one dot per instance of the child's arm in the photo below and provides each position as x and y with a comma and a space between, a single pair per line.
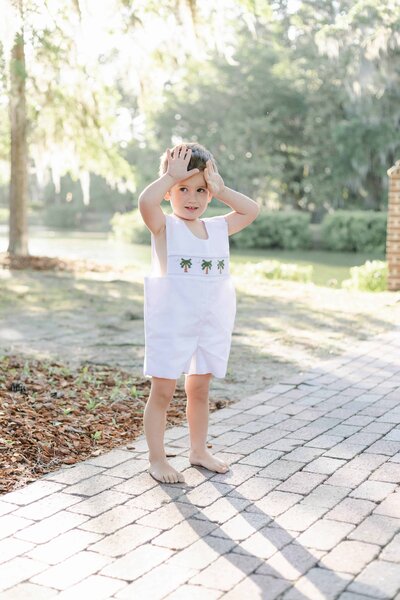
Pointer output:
151, 197
150, 203
245, 210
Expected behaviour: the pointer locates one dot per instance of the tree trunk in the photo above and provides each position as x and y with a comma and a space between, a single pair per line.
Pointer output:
18, 241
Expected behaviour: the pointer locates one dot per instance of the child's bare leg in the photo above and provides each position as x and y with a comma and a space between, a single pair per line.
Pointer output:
154, 419
197, 410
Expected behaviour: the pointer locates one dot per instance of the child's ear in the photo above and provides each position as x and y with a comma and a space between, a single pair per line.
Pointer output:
167, 196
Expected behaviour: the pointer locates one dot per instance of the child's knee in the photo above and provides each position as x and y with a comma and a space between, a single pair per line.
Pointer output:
162, 391
198, 385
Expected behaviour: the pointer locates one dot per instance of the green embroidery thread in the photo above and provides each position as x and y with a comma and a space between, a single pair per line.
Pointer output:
205, 265
221, 265
186, 263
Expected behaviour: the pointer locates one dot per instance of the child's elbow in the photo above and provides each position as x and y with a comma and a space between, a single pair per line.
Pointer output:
142, 201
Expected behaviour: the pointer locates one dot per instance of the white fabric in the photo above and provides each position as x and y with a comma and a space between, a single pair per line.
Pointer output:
189, 313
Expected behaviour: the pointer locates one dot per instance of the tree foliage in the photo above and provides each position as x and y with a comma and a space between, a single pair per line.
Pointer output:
72, 108
299, 101
307, 112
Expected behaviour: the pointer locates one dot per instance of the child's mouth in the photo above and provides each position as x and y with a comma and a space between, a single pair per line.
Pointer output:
192, 208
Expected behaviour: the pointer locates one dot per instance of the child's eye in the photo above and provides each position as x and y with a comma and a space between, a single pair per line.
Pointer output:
183, 189
201, 190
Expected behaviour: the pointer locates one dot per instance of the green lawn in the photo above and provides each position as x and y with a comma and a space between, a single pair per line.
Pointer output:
327, 265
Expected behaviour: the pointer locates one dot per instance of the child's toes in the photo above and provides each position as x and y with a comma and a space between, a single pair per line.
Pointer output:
162, 471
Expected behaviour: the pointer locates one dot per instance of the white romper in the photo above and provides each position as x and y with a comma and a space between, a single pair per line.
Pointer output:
189, 312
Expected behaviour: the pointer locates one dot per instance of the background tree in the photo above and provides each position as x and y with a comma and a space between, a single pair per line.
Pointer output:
68, 122
299, 101
18, 241
364, 42
306, 109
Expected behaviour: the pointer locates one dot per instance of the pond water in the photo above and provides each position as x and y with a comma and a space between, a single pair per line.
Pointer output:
100, 247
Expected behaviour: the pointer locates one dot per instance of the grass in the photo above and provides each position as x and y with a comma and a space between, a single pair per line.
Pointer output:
327, 266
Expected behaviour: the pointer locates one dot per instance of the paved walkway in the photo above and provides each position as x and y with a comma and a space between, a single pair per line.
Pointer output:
309, 510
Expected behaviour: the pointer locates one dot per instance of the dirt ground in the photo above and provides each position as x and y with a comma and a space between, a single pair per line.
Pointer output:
282, 328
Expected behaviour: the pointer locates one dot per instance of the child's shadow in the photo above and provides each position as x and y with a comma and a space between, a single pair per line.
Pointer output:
274, 542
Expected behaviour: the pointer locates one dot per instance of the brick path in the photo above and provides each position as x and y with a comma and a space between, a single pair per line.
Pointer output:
309, 510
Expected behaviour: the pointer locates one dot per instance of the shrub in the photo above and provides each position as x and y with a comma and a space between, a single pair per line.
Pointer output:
62, 216
370, 277
273, 269
288, 230
129, 227
355, 231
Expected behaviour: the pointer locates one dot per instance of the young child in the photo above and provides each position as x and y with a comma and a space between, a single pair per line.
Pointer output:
190, 300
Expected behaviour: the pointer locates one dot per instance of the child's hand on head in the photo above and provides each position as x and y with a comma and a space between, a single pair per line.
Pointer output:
178, 161
215, 183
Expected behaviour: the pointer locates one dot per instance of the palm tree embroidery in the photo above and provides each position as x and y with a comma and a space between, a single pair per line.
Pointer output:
221, 265
205, 265
186, 263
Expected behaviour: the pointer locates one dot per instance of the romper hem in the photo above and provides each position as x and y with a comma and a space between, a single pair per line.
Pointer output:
214, 374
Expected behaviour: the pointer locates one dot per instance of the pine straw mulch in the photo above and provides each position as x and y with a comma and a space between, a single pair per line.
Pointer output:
51, 415
47, 263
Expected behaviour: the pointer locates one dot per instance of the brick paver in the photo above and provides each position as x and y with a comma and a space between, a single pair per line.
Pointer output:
350, 557
310, 507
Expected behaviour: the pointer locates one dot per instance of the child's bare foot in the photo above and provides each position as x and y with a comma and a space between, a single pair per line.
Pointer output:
207, 460
162, 471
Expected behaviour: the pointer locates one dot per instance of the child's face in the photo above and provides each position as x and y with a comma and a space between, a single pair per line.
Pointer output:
189, 198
